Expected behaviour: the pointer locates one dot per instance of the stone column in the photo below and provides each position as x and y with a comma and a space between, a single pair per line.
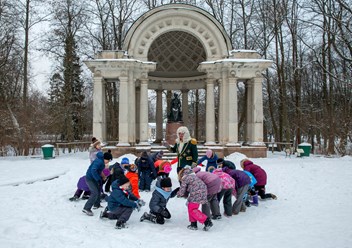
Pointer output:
99, 112
159, 116
249, 115
138, 113
123, 113
233, 113
221, 111
256, 112
185, 116
144, 113
131, 99
210, 113
225, 89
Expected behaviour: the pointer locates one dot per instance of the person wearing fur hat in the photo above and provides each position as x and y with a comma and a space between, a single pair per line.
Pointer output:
94, 181
163, 168
161, 195
211, 159
120, 203
186, 149
260, 176
221, 163
213, 183
195, 190
94, 148
146, 170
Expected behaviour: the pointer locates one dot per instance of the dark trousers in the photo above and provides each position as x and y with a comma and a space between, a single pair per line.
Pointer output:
211, 206
160, 217
227, 194
94, 198
79, 192
261, 192
121, 213
145, 180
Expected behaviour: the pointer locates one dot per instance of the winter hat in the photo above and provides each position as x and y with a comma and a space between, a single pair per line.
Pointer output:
166, 182
97, 142
211, 169
209, 153
94, 139
167, 168
144, 155
122, 180
125, 161
160, 155
220, 161
107, 156
131, 167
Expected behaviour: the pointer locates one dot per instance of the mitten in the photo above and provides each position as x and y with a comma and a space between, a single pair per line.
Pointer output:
174, 192
140, 202
194, 165
138, 207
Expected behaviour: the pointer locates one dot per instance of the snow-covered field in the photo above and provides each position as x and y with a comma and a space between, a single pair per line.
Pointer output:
314, 209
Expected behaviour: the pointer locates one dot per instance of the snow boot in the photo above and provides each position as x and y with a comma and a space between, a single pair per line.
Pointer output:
255, 201
74, 198
207, 224
120, 224
193, 226
104, 214
274, 197
88, 212
216, 217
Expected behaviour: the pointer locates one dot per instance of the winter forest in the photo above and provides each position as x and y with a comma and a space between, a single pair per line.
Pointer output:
307, 93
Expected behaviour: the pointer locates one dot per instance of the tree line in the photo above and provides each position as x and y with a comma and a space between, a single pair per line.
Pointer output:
306, 93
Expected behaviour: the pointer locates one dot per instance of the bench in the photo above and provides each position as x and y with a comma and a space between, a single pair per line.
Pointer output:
299, 152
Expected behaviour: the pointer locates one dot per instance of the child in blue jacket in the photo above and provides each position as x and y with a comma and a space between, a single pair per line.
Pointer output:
120, 202
94, 181
211, 157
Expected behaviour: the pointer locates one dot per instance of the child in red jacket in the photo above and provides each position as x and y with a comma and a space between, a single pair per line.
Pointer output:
260, 176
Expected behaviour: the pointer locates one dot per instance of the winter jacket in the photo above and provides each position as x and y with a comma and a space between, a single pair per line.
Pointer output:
253, 180
227, 182
82, 185
93, 153
189, 152
133, 177
193, 188
119, 198
146, 165
240, 177
257, 172
212, 181
159, 199
95, 169
211, 161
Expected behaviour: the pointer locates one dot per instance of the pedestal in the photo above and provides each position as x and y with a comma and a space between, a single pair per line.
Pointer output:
171, 128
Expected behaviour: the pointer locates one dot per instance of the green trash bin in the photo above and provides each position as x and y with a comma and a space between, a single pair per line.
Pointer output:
306, 147
48, 151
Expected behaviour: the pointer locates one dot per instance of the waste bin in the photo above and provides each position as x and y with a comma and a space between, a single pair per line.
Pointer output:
306, 147
48, 151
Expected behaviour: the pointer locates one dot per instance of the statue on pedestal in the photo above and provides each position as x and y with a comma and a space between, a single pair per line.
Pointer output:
175, 114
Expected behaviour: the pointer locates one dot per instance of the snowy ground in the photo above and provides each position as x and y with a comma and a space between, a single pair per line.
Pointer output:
314, 209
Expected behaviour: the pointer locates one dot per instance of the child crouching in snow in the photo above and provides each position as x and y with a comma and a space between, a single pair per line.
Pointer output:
161, 195
195, 190
120, 203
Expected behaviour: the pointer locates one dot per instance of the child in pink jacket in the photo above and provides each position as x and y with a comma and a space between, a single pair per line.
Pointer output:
195, 190
228, 185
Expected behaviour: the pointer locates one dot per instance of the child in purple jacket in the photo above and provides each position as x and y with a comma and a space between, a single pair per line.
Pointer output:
213, 183
82, 187
260, 176
242, 185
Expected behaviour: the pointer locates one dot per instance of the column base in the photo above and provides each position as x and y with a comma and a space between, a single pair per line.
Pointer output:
123, 144
143, 143
210, 143
234, 144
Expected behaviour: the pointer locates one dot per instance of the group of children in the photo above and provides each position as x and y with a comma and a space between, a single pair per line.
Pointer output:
220, 180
